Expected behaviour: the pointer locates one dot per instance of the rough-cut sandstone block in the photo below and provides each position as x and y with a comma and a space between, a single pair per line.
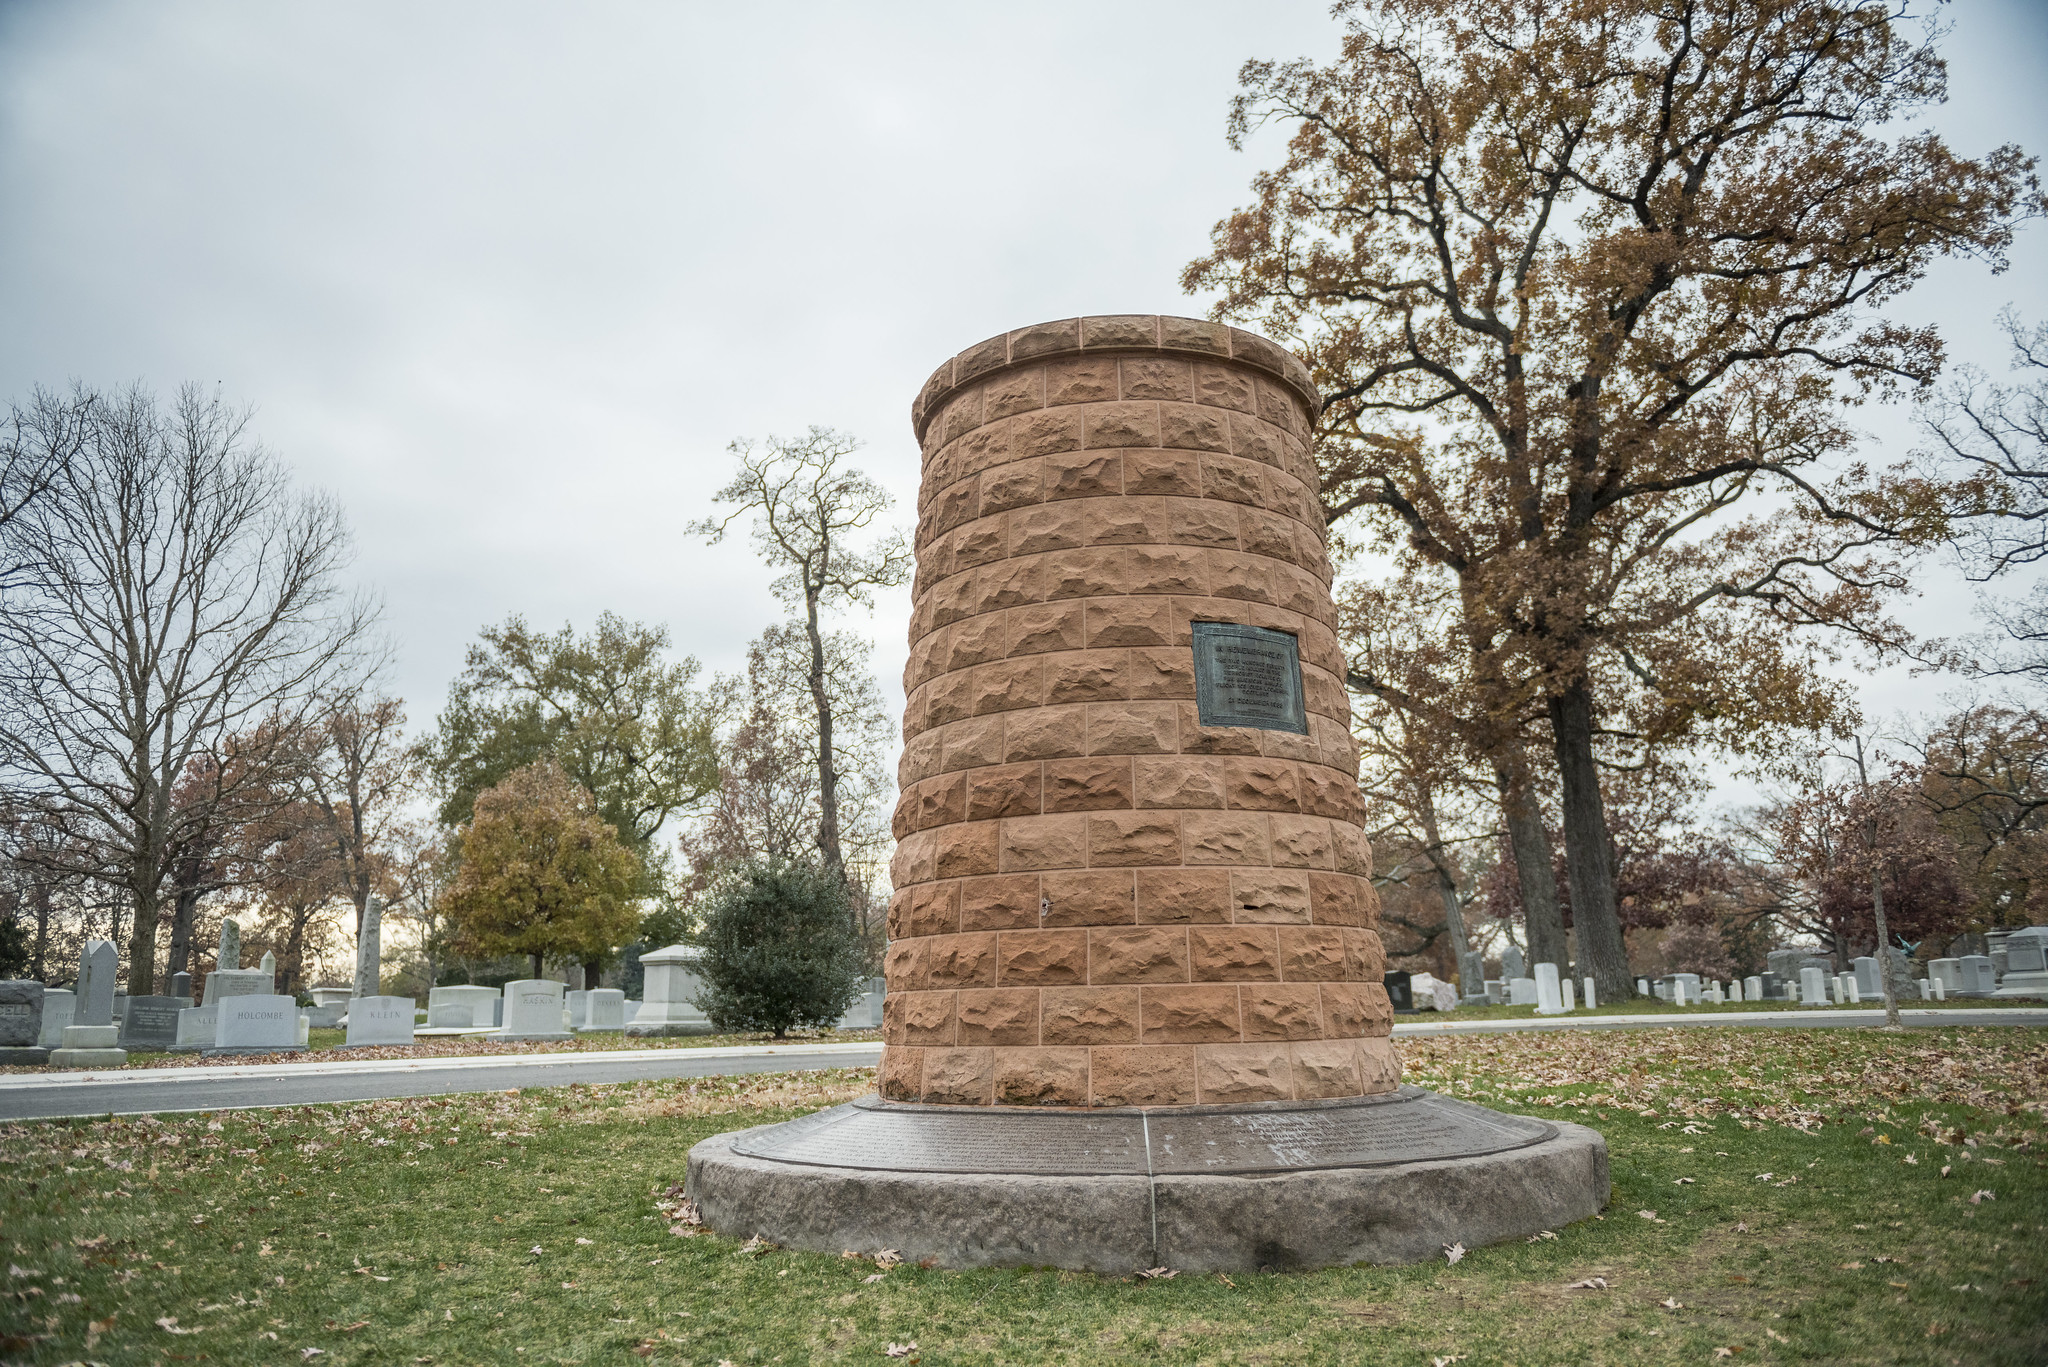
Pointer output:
1091, 572
1042, 339
1312, 954
1381, 1064
966, 960
1133, 728
1183, 896
1043, 958
1045, 842
1364, 957
908, 965
1051, 527
1008, 790
1045, 627
901, 1076
1327, 1068
1282, 1012
924, 909
1129, 622
1110, 425
1004, 1015
1224, 838
1087, 676
1043, 733
1041, 1077
1009, 685
1234, 954
1009, 902
929, 1018
1081, 381
1161, 673
1156, 377
1128, 839
1120, 1076
1138, 954
1229, 1074
1190, 1015
965, 849
1120, 330
1219, 387
1180, 783
1260, 785
959, 1077
1302, 842
1176, 474
1097, 783
1018, 391
1083, 474
1088, 1015
1101, 897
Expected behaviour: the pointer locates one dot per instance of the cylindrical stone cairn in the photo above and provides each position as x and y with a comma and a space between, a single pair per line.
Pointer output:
1100, 901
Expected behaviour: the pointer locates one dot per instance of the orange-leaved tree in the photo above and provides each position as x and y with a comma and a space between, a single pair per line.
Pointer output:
1586, 283
541, 874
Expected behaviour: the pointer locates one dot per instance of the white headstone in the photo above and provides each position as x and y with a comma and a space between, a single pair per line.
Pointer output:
256, 1023
235, 982
1549, 1001
1753, 988
1715, 994
1521, 992
1940, 989
1642, 987
604, 1009
1947, 972
1979, 980
197, 1026
1565, 994
578, 1002
1866, 969
1445, 995
669, 1007
463, 1007
533, 1010
380, 1020
2026, 964
1852, 990
1591, 999
267, 966
97, 965
58, 1004
1813, 987
1835, 983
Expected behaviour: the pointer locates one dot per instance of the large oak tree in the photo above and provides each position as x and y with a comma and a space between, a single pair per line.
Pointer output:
1586, 283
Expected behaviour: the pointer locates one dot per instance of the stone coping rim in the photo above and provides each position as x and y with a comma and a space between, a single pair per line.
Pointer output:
1525, 1132
1405, 1092
1113, 333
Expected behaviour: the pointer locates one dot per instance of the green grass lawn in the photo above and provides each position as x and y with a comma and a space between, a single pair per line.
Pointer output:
1834, 1196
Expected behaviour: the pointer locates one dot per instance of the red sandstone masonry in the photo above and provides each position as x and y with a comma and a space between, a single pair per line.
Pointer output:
1100, 902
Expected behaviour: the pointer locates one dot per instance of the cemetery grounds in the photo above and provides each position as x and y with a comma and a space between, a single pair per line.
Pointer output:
1826, 1196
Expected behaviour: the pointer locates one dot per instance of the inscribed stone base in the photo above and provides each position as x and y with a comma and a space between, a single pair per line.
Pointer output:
24, 1056
1280, 1185
89, 1046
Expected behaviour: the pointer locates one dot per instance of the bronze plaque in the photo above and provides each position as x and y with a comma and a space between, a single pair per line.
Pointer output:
1248, 676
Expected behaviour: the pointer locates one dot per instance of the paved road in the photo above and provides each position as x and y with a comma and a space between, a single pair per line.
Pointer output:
50, 1096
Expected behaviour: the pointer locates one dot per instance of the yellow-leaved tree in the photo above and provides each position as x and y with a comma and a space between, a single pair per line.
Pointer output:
542, 874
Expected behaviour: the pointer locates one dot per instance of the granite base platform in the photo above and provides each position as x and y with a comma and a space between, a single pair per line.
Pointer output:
1280, 1185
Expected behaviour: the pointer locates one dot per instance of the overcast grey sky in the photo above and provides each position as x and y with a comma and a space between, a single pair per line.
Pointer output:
507, 277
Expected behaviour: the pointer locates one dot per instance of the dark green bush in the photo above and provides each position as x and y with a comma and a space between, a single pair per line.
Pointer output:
779, 950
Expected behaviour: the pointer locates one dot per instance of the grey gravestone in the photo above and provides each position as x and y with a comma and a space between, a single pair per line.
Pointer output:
1549, 994
533, 1010
196, 1026
1512, 964
1753, 988
376, 1021
235, 982
181, 985
1813, 987
1472, 975
1400, 990
1248, 676
1866, 969
230, 956
1496, 992
1521, 991
1785, 963
669, 1006
267, 966
1947, 974
1978, 977
462, 1008
92, 1040
330, 1004
258, 1023
2026, 959
150, 1023
58, 1003
1773, 987
578, 1002
605, 1009
21, 1022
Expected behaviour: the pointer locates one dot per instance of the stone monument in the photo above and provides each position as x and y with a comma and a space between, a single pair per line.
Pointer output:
257, 1023
150, 1023
230, 954
58, 1004
2026, 964
464, 1007
374, 1021
21, 1022
668, 1006
92, 1040
1135, 1014
534, 1011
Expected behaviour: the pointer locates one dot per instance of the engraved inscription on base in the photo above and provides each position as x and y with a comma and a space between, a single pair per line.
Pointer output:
1411, 1127
1248, 676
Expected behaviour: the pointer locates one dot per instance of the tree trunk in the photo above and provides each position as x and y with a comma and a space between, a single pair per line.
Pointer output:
184, 913
39, 958
536, 964
1535, 873
828, 772
593, 969
1588, 849
142, 886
